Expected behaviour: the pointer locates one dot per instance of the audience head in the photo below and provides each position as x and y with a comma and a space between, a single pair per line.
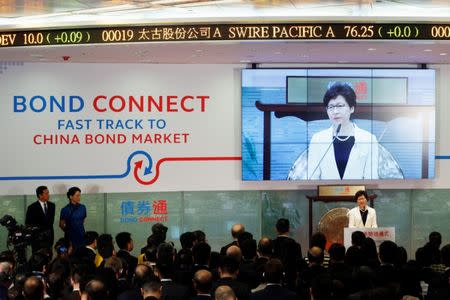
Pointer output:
114, 263
124, 241
337, 253
96, 290
165, 260
322, 287
236, 229
38, 262
358, 238
224, 292
201, 253
33, 289
401, 257
265, 247
229, 266
282, 226
200, 236
151, 289
105, 245
202, 281
364, 278
90, 239
315, 256
234, 252
319, 240
354, 257
243, 236
388, 252
273, 271
143, 273
159, 232
6, 273
187, 240
248, 248
435, 239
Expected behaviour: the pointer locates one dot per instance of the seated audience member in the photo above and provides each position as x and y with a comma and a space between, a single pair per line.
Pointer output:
88, 252
388, 275
319, 240
95, 290
126, 245
339, 271
165, 267
142, 274
354, 257
370, 251
202, 284
33, 288
224, 292
228, 271
247, 270
410, 281
273, 274
202, 254
287, 250
105, 248
236, 229
364, 287
151, 290
6, 278
439, 287
314, 269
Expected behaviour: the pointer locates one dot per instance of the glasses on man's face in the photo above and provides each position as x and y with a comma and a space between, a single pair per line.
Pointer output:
337, 106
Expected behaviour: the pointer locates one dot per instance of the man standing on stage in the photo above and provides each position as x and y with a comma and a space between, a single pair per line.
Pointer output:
42, 215
72, 218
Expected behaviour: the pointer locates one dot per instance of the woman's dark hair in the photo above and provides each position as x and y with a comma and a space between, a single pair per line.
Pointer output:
359, 194
72, 191
340, 89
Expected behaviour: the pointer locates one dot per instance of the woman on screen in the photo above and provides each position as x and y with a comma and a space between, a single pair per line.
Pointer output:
343, 151
362, 215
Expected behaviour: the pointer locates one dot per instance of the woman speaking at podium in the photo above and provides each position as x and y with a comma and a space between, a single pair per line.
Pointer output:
362, 215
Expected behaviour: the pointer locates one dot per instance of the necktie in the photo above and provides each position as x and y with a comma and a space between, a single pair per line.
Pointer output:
45, 209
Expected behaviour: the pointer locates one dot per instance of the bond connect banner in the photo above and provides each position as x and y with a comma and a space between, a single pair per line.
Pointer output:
119, 127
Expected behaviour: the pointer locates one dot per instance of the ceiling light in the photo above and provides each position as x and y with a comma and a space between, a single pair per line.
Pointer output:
442, 54
427, 50
245, 61
372, 49
277, 53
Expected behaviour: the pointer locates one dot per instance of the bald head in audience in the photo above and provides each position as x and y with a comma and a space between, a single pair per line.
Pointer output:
224, 292
235, 252
202, 282
265, 247
33, 289
236, 230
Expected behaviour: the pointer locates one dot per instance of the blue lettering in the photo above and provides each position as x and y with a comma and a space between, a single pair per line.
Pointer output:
19, 104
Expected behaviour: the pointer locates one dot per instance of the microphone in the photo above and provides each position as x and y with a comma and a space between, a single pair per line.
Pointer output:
329, 146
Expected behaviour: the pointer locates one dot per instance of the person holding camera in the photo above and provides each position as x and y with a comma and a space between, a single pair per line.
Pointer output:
72, 218
41, 214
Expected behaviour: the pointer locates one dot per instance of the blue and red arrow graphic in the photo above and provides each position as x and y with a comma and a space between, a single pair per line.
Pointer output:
137, 167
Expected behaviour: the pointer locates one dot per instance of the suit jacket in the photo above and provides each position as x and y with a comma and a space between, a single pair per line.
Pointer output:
355, 220
35, 217
321, 161
274, 292
201, 297
133, 294
241, 290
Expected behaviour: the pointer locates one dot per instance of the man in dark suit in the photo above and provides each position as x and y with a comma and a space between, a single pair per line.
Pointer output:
287, 250
273, 273
42, 215
228, 269
126, 245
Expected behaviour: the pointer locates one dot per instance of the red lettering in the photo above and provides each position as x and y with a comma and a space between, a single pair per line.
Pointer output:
95, 103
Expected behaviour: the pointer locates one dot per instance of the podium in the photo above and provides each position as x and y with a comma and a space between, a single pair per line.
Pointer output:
379, 234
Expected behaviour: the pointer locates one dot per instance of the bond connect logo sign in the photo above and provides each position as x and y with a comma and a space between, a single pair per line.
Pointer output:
144, 211
81, 123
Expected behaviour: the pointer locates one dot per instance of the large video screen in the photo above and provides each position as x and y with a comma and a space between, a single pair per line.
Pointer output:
338, 124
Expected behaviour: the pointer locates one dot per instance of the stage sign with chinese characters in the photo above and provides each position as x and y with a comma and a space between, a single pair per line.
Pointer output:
379, 235
144, 211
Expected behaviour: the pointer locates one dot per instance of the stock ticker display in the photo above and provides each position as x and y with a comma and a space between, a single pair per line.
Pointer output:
225, 32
